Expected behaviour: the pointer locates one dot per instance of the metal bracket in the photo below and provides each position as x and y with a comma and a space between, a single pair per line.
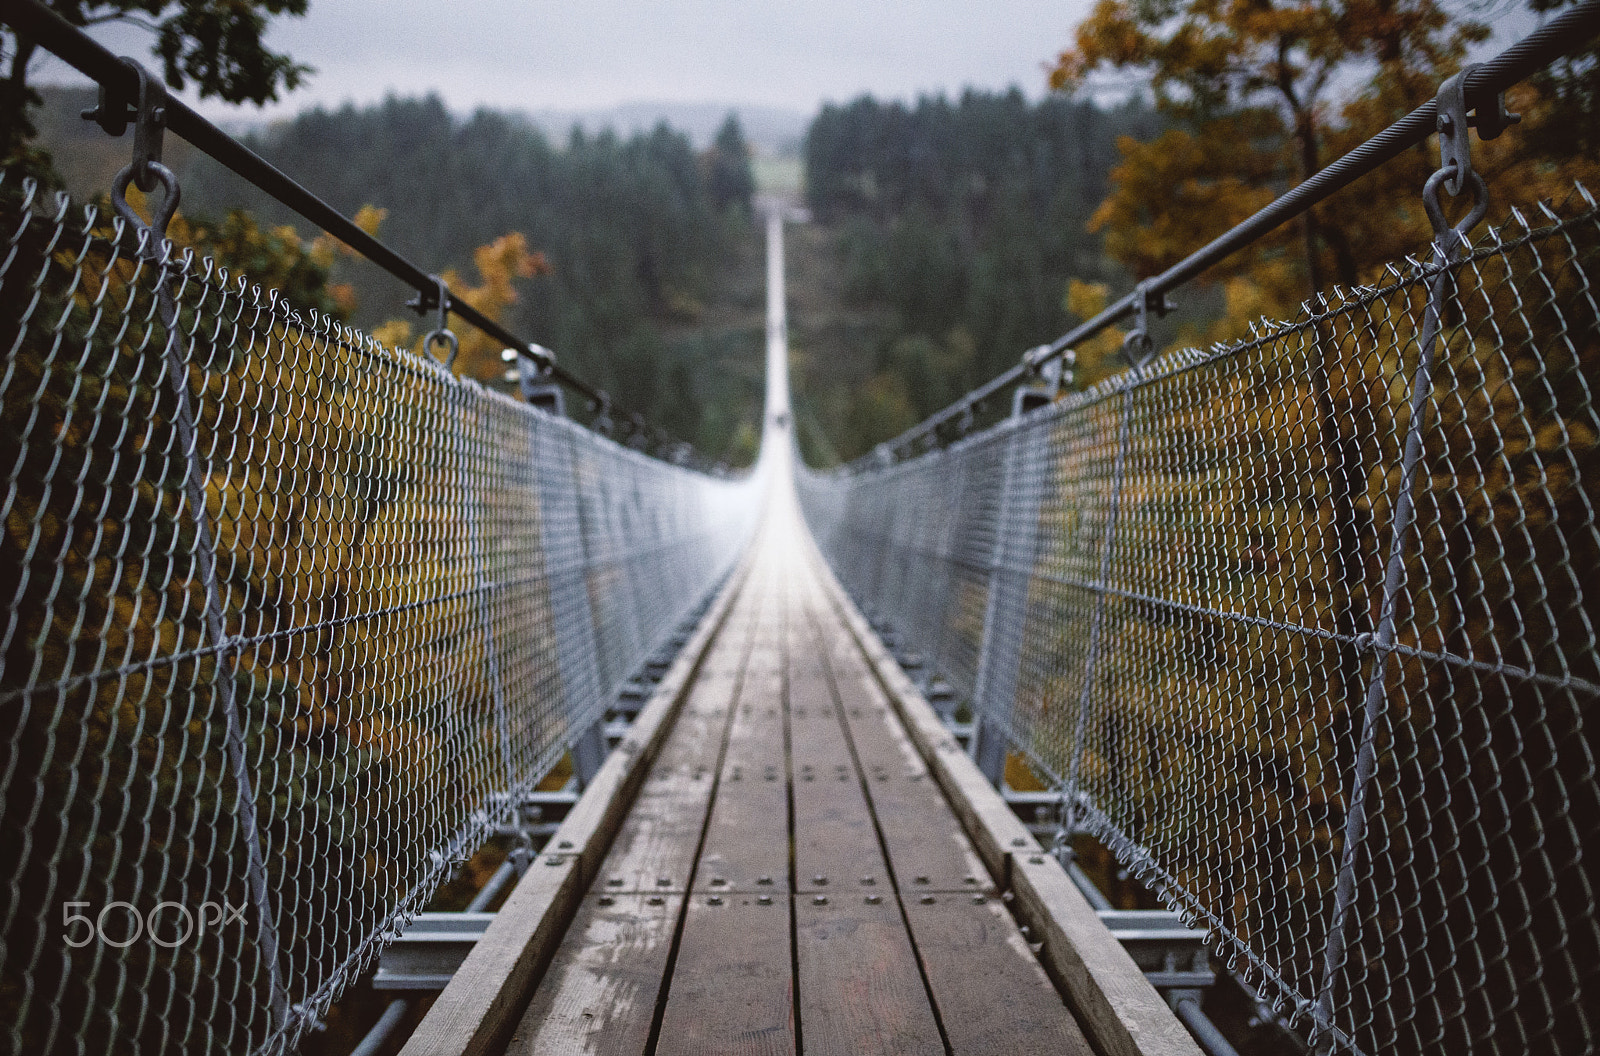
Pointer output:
532, 370
1035, 356
602, 423
1455, 147
1138, 347
147, 111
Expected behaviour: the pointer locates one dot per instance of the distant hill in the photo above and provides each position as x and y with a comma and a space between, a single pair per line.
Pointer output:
771, 131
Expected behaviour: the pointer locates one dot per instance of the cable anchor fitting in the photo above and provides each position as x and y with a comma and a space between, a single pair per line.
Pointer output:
1138, 348
440, 334
148, 113
1455, 173
602, 423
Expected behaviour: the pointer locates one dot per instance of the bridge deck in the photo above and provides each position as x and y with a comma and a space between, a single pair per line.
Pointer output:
790, 878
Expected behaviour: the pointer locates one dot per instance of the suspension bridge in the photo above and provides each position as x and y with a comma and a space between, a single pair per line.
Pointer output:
1299, 629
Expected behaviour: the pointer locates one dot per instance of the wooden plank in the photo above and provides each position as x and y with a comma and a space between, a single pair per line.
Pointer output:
835, 841
928, 849
590, 827
1120, 1011
747, 839
860, 992
1117, 1005
992, 994
472, 1015
996, 832
732, 987
655, 847
599, 993
475, 1013
659, 838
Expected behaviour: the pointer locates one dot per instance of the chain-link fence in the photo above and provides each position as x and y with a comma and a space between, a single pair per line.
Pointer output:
292, 620
1304, 630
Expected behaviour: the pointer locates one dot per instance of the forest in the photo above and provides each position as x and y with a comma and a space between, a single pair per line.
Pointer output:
947, 232
947, 235
943, 237
623, 244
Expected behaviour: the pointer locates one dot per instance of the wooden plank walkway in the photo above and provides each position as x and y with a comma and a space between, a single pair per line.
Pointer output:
790, 877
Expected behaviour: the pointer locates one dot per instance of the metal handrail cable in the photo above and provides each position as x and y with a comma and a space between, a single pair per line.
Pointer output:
1555, 38
88, 56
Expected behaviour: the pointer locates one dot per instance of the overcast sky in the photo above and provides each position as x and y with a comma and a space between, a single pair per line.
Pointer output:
585, 54
575, 55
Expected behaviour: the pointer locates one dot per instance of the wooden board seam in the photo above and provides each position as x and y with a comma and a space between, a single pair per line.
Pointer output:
1121, 1012
475, 1013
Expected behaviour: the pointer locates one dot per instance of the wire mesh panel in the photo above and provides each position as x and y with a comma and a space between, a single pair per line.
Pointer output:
1304, 629
292, 620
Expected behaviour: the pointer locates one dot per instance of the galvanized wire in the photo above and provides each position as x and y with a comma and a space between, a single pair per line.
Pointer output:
1353, 743
292, 621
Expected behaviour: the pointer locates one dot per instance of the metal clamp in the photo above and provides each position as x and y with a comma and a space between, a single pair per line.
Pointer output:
441, 334
1455, 172
1138, 347
965, 422
1455, 148
148, 111
146, 171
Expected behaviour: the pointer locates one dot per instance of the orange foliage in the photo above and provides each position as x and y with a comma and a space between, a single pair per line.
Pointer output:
499, 263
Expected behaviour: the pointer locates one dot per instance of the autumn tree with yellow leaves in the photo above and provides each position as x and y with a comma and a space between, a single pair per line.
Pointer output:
1259, 93
1283, 506
1250, 87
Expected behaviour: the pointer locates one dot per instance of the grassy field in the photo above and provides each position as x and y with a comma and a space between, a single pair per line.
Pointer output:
778, 175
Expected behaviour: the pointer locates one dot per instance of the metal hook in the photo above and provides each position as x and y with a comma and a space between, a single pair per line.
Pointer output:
1138, 346
442, 334
1441, 227
448, 340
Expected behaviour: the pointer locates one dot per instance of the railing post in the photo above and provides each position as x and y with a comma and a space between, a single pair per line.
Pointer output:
482, 588
1071, 797
1016, 534
940, 587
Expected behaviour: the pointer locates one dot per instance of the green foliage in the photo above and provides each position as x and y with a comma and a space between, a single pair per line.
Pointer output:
728, 175
216, 44
955, 226
638, 234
